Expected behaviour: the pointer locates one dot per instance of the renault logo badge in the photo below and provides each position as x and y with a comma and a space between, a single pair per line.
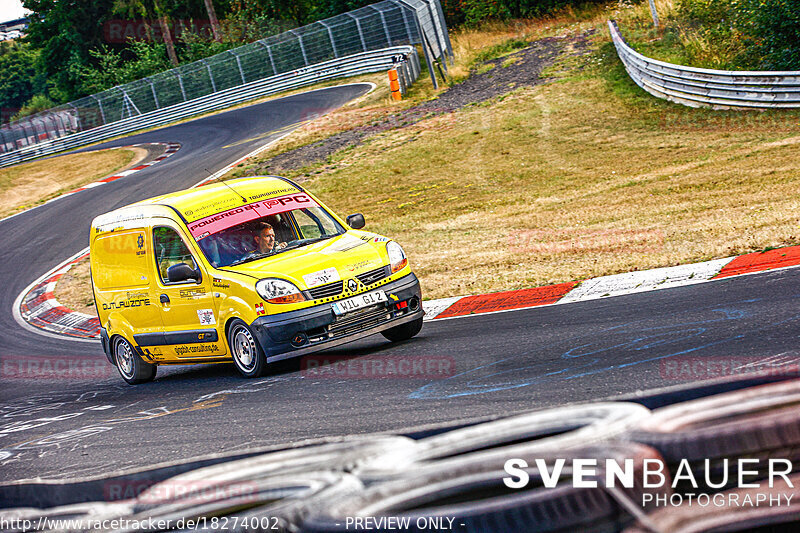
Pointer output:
352, 285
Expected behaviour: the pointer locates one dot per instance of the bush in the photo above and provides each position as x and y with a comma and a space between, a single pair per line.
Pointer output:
772, 29
706, 12
763, 34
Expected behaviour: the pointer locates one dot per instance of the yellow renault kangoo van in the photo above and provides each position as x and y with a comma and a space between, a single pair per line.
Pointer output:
251, 270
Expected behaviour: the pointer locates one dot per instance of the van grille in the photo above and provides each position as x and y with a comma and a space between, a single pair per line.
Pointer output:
368, 278
326, 291
359, 320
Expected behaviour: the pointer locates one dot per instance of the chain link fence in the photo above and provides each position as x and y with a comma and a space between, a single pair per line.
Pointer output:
378, 26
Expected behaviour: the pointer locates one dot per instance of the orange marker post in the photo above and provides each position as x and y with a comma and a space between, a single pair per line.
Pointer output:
394, 85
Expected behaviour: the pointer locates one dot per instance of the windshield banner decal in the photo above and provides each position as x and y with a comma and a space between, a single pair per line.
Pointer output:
238, 215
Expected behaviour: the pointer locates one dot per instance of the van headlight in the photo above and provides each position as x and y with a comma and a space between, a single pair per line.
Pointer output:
397, 257
279, 291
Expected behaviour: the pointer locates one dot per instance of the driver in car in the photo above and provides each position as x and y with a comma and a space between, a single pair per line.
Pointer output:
265, 239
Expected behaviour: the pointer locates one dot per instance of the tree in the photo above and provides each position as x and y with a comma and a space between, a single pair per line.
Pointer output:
212, 17
148, 11
22, 77
64, 31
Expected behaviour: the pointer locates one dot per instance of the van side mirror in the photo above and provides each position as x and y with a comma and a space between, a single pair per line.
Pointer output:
356, 221
183, 272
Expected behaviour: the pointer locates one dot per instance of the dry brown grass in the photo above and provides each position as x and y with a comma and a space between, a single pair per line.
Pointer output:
74, 289
569, 181
25, 185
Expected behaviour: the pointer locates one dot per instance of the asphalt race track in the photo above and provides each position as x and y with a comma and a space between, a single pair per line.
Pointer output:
473, 366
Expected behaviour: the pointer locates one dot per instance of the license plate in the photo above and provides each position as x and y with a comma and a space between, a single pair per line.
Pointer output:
358, 302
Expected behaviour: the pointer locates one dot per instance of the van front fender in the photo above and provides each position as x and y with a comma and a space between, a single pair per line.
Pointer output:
234, 307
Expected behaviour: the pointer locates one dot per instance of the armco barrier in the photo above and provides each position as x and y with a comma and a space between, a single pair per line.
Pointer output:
698, 87
404, 58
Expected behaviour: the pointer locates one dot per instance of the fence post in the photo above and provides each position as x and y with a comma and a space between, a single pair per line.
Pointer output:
61, 125
302, 48
427, 49
439, 40
443, 23
25, 134
180, 82
77, 116
210, 75
153, 89
654, 13
271, 59
239, 63
407, 25
100, 105
403, 7
330, 36
46, 133
54, 131
360, 33
35, 130
128, 104
385, 27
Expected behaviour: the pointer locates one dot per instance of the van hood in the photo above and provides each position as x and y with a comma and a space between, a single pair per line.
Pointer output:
348, 254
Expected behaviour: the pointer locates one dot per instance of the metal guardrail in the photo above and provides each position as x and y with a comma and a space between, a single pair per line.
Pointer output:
698, 87
404, 58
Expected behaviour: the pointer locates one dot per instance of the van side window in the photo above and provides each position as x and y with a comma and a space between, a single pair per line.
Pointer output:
170, 250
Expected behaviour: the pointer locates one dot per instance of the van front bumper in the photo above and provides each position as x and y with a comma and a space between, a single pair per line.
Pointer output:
316, 328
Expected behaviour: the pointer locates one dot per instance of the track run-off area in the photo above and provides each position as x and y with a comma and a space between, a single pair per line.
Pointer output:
462, 368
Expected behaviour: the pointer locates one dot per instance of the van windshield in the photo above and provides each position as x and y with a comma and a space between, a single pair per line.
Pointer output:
262, 229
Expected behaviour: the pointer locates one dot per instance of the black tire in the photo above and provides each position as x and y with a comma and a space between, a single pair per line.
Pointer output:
247, 354
403, 332
132, 368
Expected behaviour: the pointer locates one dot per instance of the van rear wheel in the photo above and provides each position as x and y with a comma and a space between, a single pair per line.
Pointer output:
131, 367
247, 355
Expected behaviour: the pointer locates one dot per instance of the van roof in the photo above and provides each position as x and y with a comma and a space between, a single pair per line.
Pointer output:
196, 203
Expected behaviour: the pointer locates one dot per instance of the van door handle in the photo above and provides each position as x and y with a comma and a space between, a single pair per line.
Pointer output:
164, 299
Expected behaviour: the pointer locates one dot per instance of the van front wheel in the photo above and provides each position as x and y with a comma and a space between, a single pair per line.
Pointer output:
247, 355
131, 367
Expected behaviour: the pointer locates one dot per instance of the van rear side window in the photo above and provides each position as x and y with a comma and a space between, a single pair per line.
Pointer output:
123, 257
